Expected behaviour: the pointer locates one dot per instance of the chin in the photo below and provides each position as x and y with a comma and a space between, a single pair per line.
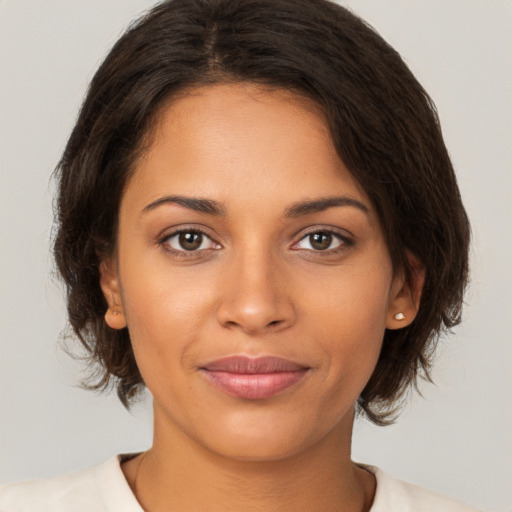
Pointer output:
268, 438
259, 449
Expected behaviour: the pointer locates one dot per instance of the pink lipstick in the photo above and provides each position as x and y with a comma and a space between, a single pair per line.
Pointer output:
253, 378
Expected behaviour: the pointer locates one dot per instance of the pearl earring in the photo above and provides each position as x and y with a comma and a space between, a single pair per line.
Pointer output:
399, 316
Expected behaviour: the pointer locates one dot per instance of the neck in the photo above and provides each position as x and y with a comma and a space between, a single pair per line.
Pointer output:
178, 473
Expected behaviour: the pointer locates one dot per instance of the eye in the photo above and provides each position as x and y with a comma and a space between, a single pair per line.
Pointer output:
322, 241
189, 241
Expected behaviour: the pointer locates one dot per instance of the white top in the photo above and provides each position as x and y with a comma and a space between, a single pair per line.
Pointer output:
105, 489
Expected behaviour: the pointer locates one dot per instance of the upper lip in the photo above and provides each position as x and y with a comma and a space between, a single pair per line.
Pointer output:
253, 365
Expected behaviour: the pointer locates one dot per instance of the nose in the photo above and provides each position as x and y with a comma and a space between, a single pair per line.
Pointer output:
255, 296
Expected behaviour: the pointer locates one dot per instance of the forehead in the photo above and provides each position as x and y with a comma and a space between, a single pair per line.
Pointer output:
222, 140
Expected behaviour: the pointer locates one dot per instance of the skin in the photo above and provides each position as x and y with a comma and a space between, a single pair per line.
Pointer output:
256, 286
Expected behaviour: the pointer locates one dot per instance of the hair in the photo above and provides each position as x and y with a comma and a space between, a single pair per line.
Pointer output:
384, 126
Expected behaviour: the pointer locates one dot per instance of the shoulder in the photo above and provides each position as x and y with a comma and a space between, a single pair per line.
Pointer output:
74, 492
400, 496
101, 488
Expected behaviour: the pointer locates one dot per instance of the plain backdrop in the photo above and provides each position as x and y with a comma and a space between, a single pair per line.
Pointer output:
457, 439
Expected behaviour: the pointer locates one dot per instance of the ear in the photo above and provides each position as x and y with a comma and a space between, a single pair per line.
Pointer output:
406, 295
109, 282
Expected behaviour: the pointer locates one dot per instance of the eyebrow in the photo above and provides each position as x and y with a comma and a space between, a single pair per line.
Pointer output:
198, 204
321, 204
211, 207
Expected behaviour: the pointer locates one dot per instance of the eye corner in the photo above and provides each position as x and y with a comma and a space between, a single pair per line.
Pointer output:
196, 244
324, 245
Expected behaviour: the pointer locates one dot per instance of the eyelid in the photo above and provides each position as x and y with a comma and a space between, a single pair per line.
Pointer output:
346, 238
163, 239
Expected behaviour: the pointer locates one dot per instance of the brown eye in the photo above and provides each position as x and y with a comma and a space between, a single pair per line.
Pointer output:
323, 241
189, 241
320, 241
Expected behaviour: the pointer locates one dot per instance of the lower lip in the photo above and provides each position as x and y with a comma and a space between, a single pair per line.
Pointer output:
254, 386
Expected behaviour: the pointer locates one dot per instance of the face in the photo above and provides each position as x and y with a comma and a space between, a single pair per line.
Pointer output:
252, 274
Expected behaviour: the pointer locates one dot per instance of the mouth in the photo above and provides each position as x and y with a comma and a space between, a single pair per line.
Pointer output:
253, 378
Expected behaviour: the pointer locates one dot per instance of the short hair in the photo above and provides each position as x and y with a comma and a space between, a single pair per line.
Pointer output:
383, 124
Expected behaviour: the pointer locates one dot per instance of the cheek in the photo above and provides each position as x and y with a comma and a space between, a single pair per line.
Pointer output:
348, 321
353, 299
166, 311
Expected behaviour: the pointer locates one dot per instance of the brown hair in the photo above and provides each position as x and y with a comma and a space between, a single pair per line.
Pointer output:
383, 123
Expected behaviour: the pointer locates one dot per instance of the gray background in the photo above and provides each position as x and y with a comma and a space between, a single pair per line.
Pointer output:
456, 440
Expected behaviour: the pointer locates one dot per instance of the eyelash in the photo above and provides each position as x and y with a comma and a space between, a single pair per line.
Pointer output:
345, 242
164, 242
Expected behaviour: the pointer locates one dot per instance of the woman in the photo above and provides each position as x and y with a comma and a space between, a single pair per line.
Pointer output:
259, 221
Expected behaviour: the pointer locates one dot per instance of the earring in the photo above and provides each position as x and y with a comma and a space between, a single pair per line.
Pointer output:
114, 318
399, 316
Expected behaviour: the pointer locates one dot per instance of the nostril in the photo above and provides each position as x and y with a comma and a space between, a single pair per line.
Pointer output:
256, 313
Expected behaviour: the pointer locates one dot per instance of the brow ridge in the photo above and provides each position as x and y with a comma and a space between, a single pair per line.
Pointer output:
317, 205
208, 206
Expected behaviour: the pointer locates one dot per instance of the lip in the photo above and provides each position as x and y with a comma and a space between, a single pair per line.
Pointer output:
253, 378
